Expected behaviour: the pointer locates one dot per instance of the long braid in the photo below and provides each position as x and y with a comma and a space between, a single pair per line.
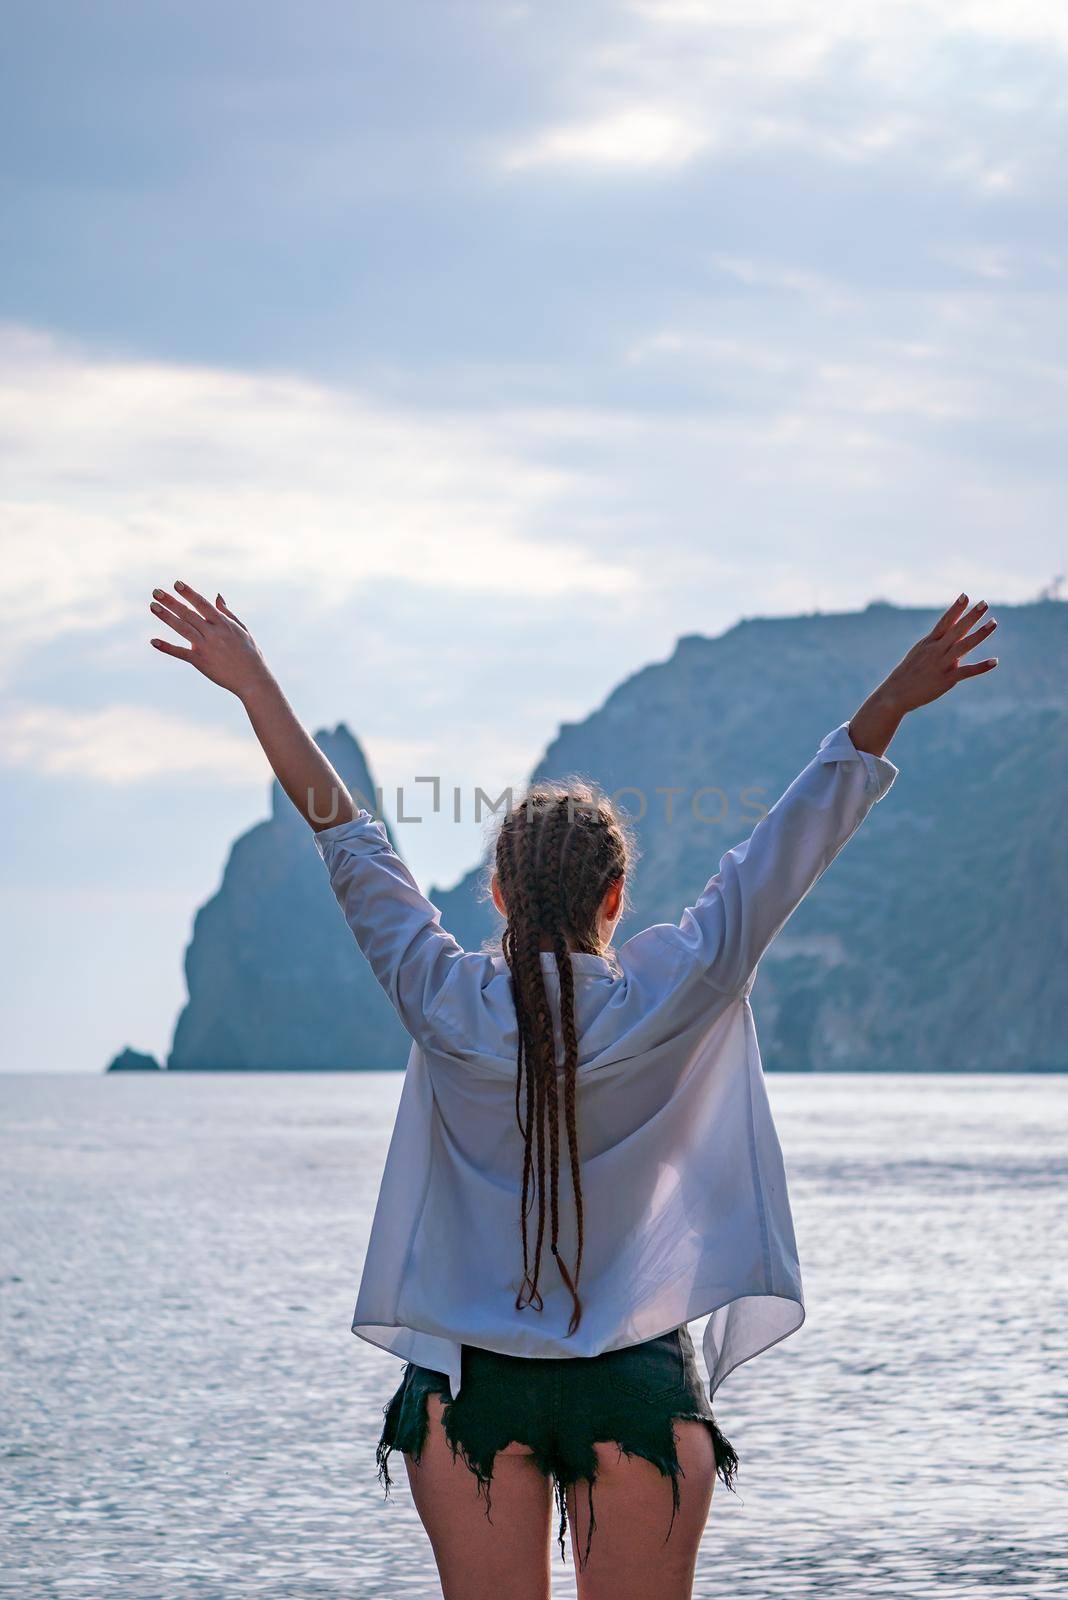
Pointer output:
600, 863
556, 847
535, 1012
550, 852
554, 866
567, 1015
524, 1073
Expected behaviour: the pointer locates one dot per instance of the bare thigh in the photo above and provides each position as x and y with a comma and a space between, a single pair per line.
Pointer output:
629, 1559
479, 1558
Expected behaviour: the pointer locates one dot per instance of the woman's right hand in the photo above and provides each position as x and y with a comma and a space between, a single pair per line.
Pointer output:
930, 669
933, 666
219, 644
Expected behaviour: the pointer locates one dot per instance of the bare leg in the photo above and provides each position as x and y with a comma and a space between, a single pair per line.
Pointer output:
480, 1559
629, 1559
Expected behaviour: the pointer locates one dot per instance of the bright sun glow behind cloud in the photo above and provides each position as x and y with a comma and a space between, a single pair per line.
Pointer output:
635, 137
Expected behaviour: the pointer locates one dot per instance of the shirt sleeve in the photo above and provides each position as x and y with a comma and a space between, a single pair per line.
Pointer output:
395, 926
762, 881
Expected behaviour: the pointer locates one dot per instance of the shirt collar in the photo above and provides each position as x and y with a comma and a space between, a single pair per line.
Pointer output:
581, 961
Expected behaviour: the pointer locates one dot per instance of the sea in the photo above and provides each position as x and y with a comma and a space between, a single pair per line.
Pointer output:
185, 1415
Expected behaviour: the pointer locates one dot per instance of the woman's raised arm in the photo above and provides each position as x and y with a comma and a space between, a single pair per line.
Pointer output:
762, 881
221, 647
396, 927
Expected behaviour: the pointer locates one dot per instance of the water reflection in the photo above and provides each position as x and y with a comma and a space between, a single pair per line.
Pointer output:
186, 1414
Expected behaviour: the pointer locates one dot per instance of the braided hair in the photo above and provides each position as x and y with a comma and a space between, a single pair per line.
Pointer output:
558, 851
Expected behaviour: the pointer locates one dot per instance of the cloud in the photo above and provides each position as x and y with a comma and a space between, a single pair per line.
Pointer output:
121, 473
123, 744
957, 91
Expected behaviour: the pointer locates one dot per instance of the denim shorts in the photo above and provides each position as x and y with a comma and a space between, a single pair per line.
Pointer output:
560, 1408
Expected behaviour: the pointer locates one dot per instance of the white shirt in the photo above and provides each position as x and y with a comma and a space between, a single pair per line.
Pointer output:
686, 1205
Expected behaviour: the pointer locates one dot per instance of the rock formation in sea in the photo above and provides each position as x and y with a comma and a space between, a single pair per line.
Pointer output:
935, 940
130, 1060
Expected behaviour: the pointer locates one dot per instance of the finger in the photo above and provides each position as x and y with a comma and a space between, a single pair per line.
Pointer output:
205, 607
974, 668
169, 649
225, 609
178, 623
176, 609
962, 646
949, 616
966, 620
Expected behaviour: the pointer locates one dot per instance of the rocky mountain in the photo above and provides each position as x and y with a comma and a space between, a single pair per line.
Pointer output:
275, 979
936, 940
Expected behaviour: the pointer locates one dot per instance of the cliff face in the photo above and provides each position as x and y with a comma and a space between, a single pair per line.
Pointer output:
275, 979
936, 940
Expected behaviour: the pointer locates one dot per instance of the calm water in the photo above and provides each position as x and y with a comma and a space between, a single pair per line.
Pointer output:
186, 1414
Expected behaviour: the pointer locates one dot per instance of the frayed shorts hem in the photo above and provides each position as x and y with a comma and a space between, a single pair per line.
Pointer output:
561, 1409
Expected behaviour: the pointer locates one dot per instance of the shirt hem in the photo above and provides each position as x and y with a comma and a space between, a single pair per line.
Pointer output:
696, 1308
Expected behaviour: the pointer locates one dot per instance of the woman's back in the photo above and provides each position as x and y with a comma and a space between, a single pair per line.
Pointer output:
683, 1188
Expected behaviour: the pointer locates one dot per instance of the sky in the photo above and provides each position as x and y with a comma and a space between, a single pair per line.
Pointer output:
476, 352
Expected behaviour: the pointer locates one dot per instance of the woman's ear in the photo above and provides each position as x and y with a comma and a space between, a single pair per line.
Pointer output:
498, 898
612, 904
